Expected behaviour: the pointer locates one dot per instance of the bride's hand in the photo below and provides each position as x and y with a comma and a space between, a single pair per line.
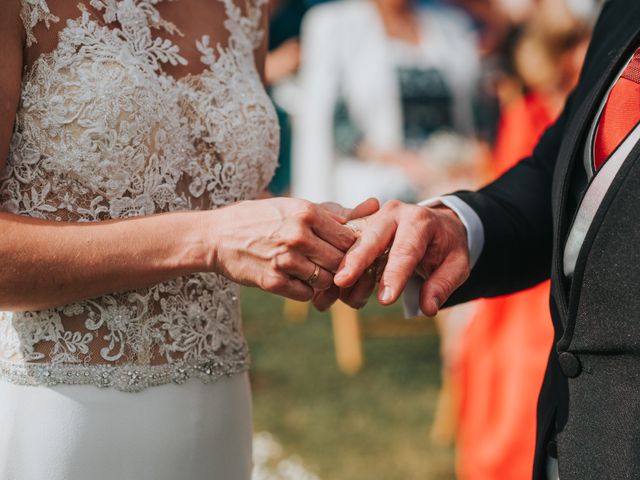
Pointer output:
285, 246
356, 296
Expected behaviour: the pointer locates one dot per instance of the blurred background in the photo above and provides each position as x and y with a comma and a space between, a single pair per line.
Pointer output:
406, 99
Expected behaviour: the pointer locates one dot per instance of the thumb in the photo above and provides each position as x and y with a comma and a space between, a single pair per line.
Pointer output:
444, 280
364, 209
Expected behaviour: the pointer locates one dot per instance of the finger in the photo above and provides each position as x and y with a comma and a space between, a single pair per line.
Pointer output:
297, 265
444, 280
300, 236
324, 299
366, 208
333, 232
357, 225
285, 286
409, 247
358, 295
337, 211
359, 216
371, 244
342, 214
319, 236
323, 254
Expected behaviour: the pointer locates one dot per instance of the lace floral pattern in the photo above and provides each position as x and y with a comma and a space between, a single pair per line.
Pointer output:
103, 132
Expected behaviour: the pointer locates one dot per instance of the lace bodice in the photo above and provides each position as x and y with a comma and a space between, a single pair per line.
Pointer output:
128, 108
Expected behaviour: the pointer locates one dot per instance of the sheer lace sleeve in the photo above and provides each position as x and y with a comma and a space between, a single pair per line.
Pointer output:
32, 13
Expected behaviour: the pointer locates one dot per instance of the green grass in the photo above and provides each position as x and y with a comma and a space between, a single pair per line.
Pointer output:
373, 426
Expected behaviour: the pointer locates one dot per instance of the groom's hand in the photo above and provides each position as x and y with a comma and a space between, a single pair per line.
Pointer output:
430, 241
361, 292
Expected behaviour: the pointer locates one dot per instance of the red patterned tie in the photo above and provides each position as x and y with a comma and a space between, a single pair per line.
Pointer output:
620, 115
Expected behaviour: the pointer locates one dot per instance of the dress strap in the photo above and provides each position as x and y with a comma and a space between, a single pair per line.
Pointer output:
248, 22
258, 8
32, 13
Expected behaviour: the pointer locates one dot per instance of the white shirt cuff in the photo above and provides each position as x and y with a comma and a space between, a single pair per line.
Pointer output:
475, 242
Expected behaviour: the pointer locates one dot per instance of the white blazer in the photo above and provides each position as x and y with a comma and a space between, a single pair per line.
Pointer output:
345, 53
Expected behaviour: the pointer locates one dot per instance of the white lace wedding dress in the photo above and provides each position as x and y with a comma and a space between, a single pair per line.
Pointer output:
128, 108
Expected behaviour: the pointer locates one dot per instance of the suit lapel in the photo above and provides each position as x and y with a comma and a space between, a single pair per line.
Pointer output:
618, 183
608, 58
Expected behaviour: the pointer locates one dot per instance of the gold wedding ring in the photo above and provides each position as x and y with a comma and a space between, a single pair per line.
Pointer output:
313, 279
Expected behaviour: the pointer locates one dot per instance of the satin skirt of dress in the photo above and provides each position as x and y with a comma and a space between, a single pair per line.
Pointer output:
193, 431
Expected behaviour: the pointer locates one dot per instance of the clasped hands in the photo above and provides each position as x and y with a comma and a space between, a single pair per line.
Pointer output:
393, 244
323, 253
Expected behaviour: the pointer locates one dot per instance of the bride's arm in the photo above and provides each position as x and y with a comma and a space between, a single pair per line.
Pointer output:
46, 264
272, 244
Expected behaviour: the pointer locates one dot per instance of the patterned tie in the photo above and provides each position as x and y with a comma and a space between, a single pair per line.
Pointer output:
620, 115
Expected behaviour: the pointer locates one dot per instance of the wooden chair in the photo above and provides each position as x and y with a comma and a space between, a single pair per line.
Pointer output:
348, 330
347, 334
347, 337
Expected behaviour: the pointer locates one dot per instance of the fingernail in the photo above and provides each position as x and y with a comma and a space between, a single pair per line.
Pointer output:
386, 295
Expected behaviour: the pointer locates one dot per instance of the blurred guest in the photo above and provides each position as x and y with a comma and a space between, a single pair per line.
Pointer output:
506, 345
496, 19
283, 59
381, 83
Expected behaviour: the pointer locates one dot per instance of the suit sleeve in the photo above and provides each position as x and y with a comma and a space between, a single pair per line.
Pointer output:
515, 211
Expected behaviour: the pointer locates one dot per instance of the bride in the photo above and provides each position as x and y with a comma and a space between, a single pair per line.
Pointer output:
139, 132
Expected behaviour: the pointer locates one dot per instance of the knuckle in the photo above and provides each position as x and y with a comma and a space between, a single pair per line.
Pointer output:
409, 249
370, 241
296, 236
443, 288
306, 211
273, 283
325, 281
392, 205
420, 214
393, 270
285, 261
346, 237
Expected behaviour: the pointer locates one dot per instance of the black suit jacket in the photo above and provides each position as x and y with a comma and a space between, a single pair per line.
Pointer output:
590, 399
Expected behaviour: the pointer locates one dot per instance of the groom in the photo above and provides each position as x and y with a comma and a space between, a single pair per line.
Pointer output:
571, 211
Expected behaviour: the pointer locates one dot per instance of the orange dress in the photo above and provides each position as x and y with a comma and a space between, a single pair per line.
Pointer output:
505, 348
